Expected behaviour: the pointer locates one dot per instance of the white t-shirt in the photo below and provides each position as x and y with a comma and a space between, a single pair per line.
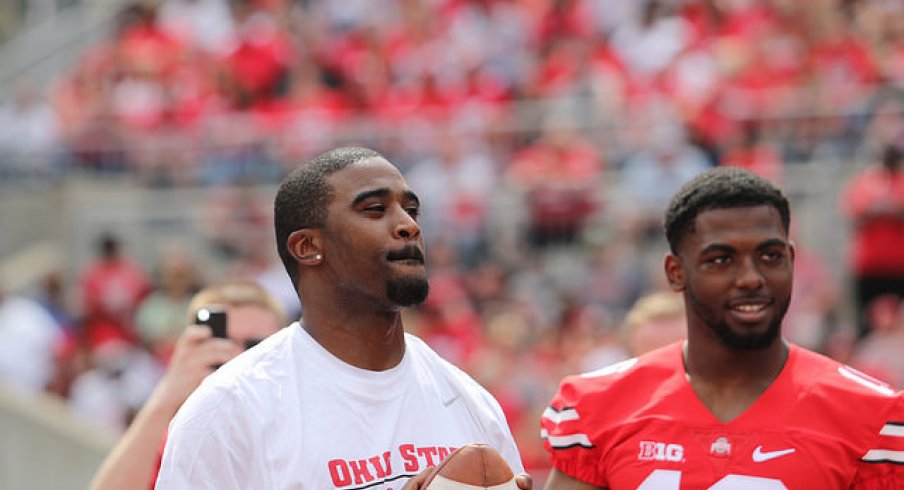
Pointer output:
28, 337
288, 414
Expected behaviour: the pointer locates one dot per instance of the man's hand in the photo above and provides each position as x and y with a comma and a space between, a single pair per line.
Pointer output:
418, 481
524, 481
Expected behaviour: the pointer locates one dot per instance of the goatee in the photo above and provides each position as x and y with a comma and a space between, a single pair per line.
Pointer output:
740, 341
748, 341
407, 291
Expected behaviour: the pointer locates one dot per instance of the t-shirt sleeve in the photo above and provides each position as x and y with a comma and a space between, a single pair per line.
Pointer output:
504, 442
490, 418
206, 447
882, 465
568, 434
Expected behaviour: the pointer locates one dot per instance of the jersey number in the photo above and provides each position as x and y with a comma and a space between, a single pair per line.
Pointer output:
671, 479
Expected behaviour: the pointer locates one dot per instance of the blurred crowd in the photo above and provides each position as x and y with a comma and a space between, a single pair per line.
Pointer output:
207, 91
543, 136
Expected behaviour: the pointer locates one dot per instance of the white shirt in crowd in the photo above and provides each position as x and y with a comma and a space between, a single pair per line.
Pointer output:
28, 338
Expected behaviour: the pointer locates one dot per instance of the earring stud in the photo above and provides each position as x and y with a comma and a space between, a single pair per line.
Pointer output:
318, 256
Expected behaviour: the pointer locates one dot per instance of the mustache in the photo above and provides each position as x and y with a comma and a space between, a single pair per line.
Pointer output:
410, 252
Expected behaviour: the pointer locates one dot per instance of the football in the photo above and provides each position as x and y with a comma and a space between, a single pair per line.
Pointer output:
471, 467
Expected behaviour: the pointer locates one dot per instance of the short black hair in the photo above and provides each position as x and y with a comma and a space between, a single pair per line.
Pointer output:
720, 188
108, 245
303, 197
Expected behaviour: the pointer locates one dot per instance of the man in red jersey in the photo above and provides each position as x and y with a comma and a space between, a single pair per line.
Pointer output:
874, 202
735, 406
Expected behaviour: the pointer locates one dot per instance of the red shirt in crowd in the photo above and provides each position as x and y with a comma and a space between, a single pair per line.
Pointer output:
874, 199
112, 290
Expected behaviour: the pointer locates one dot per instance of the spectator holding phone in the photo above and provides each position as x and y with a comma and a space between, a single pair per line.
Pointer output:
251, 316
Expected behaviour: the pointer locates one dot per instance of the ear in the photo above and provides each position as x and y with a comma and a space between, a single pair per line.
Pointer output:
793, 248
304, 246
674, 273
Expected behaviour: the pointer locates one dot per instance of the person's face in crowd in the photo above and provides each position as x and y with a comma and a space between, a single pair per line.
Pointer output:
250, 323
735, 269
372, 241
655, 333
892, 157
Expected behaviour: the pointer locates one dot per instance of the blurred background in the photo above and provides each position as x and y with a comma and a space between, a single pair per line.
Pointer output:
141, 143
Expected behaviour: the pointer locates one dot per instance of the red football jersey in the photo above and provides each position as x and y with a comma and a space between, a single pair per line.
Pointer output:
639, 424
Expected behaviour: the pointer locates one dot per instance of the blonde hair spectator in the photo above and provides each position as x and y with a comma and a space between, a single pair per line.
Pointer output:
236, 293
654, 321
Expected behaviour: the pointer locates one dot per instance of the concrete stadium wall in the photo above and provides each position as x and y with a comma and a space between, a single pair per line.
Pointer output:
44, 446
72, 215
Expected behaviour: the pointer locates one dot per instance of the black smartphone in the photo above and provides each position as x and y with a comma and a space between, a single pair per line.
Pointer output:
249, 343
214, 317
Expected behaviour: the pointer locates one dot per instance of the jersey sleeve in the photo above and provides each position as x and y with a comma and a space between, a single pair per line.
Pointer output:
882, 465
569, 438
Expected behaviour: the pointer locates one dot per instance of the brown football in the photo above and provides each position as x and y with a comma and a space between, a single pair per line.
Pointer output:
471, 467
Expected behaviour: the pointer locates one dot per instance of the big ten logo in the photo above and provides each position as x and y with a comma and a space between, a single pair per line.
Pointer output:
660, 451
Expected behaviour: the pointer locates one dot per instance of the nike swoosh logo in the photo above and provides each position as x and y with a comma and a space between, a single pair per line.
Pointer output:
448, 402
760, 456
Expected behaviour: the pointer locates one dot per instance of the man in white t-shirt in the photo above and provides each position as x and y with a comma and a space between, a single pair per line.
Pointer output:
345, 398
28, 337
